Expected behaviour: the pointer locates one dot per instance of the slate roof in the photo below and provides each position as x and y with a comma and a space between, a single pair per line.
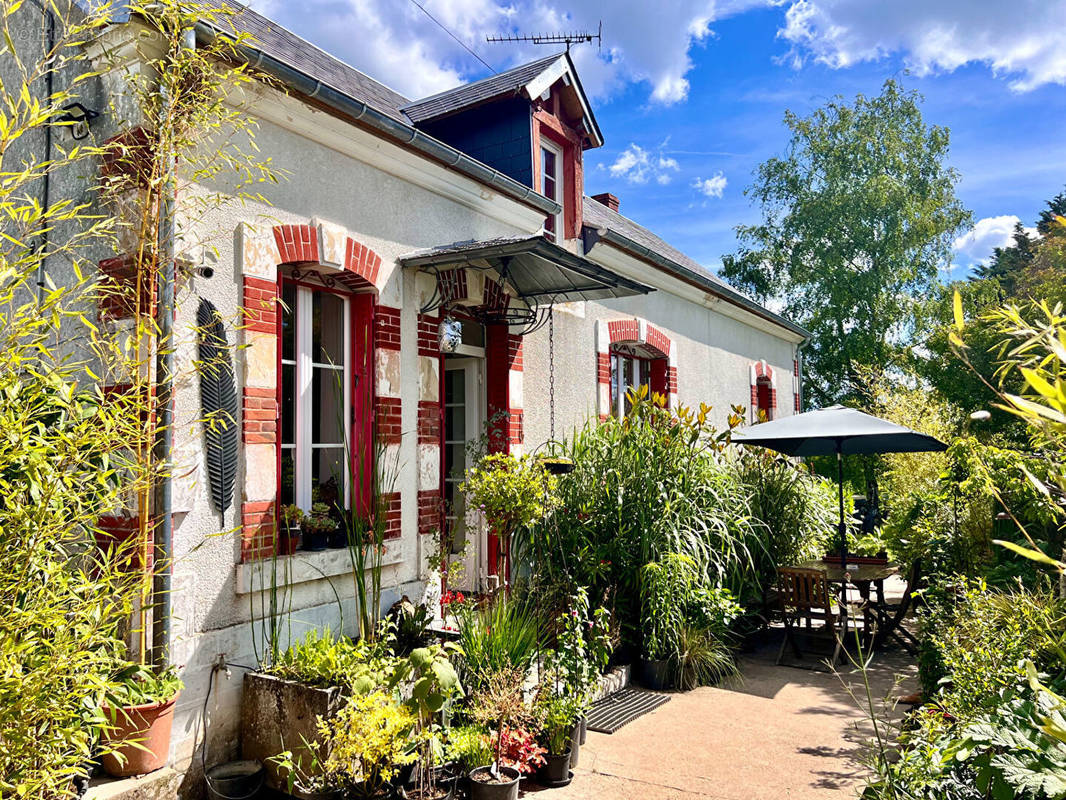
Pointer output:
300, 54
598, 215
470, 94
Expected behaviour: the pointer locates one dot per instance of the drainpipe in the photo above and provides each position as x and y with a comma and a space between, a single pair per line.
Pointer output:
164, 445
46, 187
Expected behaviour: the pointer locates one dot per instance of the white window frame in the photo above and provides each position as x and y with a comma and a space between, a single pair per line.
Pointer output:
303, 446
560, 187
617, 390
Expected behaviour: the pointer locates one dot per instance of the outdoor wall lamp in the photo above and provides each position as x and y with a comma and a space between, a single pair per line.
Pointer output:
450, 335
80, 118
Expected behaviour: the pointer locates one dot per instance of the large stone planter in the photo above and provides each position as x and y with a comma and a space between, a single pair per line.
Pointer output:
279, 715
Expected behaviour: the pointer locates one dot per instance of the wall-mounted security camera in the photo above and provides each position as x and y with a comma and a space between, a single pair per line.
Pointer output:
204, 271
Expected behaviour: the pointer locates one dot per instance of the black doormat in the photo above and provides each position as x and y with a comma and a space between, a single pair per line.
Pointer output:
611, 713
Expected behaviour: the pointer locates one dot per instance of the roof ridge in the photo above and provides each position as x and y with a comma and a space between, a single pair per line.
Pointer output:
471, 84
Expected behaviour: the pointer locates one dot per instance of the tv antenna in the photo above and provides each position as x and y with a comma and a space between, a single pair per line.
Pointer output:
573, 37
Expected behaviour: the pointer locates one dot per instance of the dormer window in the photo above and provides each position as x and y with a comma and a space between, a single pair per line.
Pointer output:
551, 186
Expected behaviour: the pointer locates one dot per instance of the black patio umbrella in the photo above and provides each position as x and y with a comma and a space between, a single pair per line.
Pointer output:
839, 430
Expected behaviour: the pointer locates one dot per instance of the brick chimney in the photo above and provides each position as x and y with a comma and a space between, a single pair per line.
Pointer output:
606, 199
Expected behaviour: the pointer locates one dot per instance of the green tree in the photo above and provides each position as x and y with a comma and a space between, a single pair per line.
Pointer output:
1008, 262
1029, 269
857, 217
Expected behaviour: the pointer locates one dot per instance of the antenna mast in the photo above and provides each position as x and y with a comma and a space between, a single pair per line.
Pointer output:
573, 37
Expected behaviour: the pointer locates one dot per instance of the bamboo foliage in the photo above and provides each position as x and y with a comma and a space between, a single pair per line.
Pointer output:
72, 451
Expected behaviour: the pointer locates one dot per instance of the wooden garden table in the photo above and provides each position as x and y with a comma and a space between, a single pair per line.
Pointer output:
863, 576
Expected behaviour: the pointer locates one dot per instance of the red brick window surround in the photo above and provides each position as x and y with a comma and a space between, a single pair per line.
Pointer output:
325, 396
308, 422
638, 355
763, 392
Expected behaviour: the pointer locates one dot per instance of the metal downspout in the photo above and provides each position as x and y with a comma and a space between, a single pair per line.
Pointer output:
46, 189
164, 445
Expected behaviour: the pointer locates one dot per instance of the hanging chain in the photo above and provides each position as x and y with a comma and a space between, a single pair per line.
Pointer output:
551, 369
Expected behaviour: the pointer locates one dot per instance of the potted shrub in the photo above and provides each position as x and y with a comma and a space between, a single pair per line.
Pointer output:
558, 719
360, 750
499, 704
140, 713
292, 516
434, 686
317, 527
512, 492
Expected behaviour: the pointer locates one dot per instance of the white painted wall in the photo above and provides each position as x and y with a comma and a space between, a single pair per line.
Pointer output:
716, 343
392, 216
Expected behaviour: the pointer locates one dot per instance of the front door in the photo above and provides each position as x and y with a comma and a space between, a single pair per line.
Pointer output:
464, 425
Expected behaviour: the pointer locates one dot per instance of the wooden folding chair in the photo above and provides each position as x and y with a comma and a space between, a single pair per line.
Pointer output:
805, 596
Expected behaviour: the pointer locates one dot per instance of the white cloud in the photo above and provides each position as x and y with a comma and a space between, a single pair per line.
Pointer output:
635, 164
396, 43
1024, 39
711, 187
976, 245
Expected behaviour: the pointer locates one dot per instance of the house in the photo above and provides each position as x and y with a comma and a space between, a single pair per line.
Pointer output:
429, 268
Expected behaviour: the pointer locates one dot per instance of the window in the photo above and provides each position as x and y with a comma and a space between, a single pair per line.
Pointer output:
764, 399
627, 372
322, 395
551, 186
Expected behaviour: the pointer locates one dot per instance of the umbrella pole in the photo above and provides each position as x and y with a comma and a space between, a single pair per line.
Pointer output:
841, 527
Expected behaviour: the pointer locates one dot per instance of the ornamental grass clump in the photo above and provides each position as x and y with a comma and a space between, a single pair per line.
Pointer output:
502, 634
654, 482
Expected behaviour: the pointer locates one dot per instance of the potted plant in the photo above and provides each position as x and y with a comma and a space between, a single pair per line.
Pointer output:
557, 465
665, 590
292, 516
511, 491
582, 649
140, 712
468, 747
558, 719
499, 704
434, 686
310, 679
409, 624
317, 526
359, 752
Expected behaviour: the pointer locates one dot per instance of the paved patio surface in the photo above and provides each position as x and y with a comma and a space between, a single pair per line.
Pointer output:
776, 732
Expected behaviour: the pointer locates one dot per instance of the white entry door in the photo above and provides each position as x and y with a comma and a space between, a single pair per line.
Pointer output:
464, 423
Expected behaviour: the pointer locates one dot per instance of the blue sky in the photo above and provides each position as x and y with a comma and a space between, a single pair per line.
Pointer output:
690, 94
1009, 146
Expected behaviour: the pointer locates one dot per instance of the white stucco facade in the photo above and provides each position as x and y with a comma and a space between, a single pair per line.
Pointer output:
344, 186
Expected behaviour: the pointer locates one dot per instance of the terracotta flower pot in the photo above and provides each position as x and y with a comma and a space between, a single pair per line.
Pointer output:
149, 726
289, 542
